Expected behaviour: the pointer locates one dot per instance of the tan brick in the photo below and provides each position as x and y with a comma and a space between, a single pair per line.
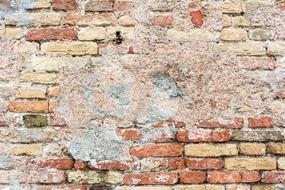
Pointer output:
276, 148
14, 33
28, 106
126, 21
210, 150
263, 187
42, 78
281, 163
54, 91
193, 35
92, 33
31, 93
104, 19
233, 34
227, 21
199, 187
249, 163
71, 48
240, 21
276, 48
241, 48
54, 64
252, 148
233, 6
237, 187
26, 149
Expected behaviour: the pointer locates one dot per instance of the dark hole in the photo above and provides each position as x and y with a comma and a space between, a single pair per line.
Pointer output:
242, 13
119, 38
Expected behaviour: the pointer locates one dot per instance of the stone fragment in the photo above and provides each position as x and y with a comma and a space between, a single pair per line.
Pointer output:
35, 120
258, 136
260, 34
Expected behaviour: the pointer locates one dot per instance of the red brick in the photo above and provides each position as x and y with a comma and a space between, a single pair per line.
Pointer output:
202, 136
176, 164
99, 5
60, 164
254, 63
180, 124
157, 150
121, 5
224, 177
161, 20
28, 106
130, 134
250, 176
150, 179
110, 165
282, 6
262, 122
80, 165
238, 123
204, 164
197, 18
64, 4
192, 176
273, 177
44, 34
280, 95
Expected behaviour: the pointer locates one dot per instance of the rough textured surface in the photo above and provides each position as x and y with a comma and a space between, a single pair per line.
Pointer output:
142, 95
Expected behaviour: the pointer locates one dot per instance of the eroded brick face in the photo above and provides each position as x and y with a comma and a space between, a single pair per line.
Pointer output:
142, 95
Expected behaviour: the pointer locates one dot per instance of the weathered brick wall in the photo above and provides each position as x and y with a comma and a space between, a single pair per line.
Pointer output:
142, 95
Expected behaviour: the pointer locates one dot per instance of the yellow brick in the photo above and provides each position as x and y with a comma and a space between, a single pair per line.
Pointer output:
241, 48
42, 78
233, 34
26, 149
250, 163
31, 93
71, 48
211, 150
263, 187
13, 33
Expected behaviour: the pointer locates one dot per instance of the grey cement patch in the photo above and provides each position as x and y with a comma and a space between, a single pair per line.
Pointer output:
98, 143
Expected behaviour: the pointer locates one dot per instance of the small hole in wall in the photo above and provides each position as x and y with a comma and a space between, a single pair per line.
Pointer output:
242, 13
119, 38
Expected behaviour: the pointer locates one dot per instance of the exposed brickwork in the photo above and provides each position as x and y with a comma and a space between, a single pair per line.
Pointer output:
142, 95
